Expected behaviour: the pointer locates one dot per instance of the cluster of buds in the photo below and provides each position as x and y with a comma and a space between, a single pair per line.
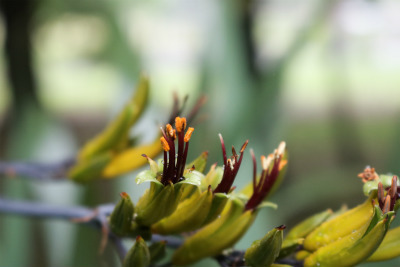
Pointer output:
110, 153
204, 206
349, 237
182, 199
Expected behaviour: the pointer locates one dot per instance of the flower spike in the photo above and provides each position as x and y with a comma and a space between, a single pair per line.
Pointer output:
386, 203
174, 164
231, 167
268, 176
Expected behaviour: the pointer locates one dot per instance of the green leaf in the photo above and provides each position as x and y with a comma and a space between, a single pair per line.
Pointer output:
146, 176
193, 177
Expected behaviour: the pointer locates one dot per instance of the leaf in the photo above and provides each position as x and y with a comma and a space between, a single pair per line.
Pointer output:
146, 176
193, 177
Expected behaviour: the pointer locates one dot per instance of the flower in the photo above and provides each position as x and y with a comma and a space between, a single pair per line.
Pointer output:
271, 167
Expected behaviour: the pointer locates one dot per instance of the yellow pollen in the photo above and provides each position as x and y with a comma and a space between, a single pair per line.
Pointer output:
244, 146
164, 144
188, 134
281, 148
266, 161
282, 164
180, 124
170, 130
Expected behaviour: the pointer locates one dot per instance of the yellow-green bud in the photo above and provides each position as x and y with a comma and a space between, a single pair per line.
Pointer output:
263, 252
157, 251
138, 255
122, 216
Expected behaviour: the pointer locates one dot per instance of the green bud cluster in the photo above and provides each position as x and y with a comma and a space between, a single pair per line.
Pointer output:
183, 199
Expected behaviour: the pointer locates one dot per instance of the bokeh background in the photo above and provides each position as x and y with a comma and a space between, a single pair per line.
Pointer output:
322, 75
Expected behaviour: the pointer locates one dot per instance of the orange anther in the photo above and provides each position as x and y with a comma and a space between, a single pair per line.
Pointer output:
188, 134
282, 164
164, 144
170, 130
244, 146
180, 124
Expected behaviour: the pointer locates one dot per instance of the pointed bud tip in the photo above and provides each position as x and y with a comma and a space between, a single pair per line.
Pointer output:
281, 227
139, 239
244, 146
124, 195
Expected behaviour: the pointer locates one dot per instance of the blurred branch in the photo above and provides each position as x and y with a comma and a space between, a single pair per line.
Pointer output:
236, 258
37, 171
95, 217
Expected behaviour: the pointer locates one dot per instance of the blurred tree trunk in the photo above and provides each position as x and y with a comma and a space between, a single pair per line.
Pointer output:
17, 15
18, 51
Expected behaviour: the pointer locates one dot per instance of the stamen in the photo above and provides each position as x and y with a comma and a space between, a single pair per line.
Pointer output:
393, 188
281, 148
223, 147
381, 195
266, 161
244, 146
230, 164
164, 144
234, 153
170, 130
282, 164
253, 157
180, 124
188, 134
232, 189
386, 207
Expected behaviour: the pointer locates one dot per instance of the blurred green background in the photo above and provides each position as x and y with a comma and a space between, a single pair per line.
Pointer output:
321, 75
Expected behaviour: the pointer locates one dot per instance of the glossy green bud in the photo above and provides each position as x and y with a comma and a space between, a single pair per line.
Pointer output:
218, 204
216, 236
302, 254
157, 251
189, 215
263, 252
138, 255
289, 247
199, 163
157, 202
339, 226
354, 248
389, 248
213, 177
308, 225
122, 216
